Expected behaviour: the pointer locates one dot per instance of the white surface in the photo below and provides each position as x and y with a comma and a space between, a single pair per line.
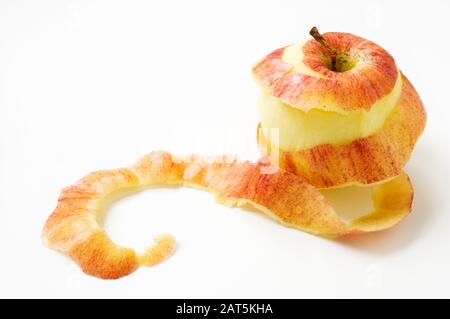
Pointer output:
94, 85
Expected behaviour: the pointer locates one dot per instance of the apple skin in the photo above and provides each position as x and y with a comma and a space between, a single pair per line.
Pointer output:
373, 75
73, 229
375, 158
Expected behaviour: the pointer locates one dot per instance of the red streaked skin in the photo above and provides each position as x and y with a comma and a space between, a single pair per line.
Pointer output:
373, 76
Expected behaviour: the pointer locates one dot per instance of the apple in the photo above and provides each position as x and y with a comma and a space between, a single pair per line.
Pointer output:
344, 112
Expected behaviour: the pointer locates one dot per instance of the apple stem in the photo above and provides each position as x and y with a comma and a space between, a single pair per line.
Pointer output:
319, 38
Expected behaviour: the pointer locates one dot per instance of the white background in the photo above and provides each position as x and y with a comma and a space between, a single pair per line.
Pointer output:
88, 85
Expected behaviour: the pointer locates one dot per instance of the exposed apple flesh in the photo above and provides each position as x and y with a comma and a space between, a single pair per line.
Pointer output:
372, 159
300, 130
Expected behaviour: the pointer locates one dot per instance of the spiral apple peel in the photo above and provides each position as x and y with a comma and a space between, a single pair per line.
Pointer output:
73, 228
346, 115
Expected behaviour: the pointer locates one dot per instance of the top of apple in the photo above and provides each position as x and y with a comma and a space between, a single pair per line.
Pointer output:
336, 71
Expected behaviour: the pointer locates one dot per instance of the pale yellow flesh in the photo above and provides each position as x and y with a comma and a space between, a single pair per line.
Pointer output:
293, 54
300, 130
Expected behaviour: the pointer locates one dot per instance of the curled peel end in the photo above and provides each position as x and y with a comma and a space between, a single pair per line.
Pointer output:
301, 206
100, 257
392, 202
163, 246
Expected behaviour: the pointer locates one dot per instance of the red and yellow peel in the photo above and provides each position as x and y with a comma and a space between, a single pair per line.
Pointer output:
73, 228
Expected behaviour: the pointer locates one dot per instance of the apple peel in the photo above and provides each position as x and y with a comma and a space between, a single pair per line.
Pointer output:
73, 228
